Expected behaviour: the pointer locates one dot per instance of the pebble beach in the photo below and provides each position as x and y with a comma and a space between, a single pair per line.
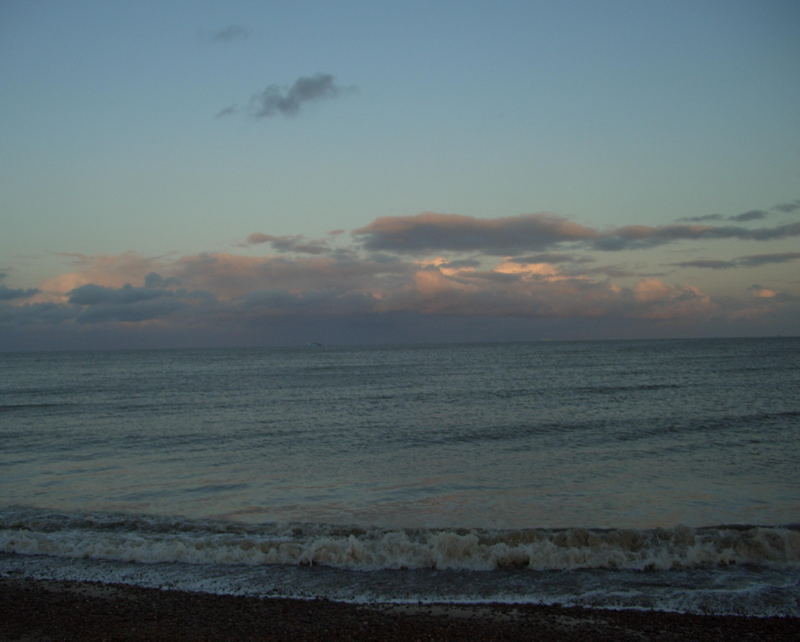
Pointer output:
58, 610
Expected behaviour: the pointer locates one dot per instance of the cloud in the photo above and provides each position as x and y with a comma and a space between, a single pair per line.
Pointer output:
753, 260
227, 111
229, 34
664, 301
553, 257
431, 231
643, 236
9, 294
701, 219
788, 208
763, 259
761, 292
751, 215
229, 290
707, 264
99, 304
148, 310
574, 265
325, 303
155, 280
276, 100
109, 270
45, 315
95, 294
615, 271
399, 276
295, 243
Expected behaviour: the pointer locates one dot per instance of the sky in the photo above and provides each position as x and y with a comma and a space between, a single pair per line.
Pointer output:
197, 173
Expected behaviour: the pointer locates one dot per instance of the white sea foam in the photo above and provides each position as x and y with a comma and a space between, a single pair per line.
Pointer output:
752, 570
152, 540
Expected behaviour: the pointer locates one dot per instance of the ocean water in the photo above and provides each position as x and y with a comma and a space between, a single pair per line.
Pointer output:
632, 474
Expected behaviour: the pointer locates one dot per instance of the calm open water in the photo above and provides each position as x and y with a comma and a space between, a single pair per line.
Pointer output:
647, 474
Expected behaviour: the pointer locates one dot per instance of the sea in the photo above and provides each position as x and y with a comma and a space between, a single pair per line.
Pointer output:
651, 475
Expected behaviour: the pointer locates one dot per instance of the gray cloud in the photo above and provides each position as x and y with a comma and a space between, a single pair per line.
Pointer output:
752, 215
276, 100
140, 311
763, 259
788, 208
641, 236
701, 219
35, 314
614, 272
230, 276
764, 233
330, 302
295, 243
227, 111
430, 231
100, 304
753, 260
552, 257
155, 280
510, 235
709, 264
96, 294
462, 263
229, 34
9, 294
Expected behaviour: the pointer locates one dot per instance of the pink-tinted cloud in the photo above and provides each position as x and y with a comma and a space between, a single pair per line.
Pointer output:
103, 269
661, 300
762, 292
433, 269
227, 285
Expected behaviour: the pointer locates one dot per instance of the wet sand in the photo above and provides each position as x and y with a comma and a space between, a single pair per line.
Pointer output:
55, 610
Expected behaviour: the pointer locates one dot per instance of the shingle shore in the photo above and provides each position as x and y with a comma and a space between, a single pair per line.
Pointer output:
55, 610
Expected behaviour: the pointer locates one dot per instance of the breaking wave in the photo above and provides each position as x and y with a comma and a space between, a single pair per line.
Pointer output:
147, 539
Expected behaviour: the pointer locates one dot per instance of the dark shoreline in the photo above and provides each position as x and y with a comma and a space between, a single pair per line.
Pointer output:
59, 610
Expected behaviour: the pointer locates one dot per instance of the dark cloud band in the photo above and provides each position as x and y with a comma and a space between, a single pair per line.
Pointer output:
753, 260
454, 232
9, 294
538, 232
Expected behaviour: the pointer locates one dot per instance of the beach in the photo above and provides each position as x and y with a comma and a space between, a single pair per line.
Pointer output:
59, 610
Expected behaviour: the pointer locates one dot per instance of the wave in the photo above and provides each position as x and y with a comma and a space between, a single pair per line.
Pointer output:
644, 387
25, 407
147, 539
